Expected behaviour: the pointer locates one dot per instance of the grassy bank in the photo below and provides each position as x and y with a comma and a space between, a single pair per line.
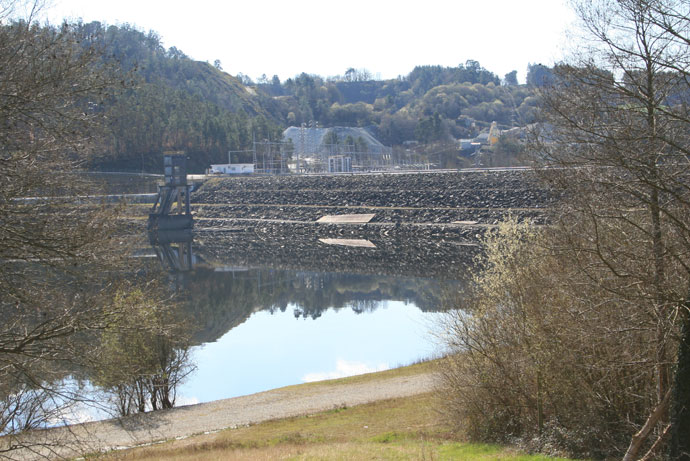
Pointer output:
395, 429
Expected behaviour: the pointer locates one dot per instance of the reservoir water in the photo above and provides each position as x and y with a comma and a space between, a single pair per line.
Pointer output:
272, 312
274, 309
275, 349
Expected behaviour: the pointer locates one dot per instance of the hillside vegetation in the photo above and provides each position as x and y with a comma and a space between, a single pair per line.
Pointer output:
173, 103
431, 104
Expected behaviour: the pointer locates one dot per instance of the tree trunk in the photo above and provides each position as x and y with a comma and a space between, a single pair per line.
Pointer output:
651, 454
679, 447
639, 439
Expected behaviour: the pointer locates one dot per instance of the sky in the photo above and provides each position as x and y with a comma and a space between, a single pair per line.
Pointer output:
389, 39
271, 350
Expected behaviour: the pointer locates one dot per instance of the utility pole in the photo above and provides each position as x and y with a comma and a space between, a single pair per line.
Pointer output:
263, 156
323, 156
302, 133
271, 164
254, 150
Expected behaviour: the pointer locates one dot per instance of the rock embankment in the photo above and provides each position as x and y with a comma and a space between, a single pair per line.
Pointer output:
415, 198
423, 225
405, 252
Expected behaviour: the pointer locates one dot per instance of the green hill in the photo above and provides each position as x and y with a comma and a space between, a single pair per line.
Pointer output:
174, 103
178, 104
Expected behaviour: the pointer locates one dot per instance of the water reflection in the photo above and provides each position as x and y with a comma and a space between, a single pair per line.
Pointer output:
235, 275
394, 254
222, 300
269, 311
173, 249
272, 350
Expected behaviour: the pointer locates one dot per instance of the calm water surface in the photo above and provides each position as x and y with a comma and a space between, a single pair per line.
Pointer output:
275, 349
267, 317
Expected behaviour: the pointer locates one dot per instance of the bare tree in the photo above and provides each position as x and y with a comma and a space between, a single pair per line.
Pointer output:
58, 259
575, 334
540, 354
618, 141
145, 356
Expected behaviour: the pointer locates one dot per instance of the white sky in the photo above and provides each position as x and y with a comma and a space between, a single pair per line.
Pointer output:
326, 38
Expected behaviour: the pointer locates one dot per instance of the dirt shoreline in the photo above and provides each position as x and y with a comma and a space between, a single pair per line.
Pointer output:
185, 421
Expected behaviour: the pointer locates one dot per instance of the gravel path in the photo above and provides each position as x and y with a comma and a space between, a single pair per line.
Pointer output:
212, 416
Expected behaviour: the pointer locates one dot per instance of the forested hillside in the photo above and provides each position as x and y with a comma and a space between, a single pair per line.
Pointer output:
177, 104
432, 103
432, 108
173, 103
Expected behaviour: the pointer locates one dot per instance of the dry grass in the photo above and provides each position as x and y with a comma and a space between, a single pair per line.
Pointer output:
397, 429
390, 429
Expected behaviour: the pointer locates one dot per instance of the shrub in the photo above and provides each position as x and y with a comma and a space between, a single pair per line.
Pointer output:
539, 355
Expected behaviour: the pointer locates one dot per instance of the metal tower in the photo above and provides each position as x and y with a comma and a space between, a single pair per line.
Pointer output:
172, 208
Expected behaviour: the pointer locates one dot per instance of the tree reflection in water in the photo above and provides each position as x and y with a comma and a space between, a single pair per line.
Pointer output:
236, 275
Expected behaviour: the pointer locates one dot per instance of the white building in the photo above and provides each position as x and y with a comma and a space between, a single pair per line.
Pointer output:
232, 168
339, 164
